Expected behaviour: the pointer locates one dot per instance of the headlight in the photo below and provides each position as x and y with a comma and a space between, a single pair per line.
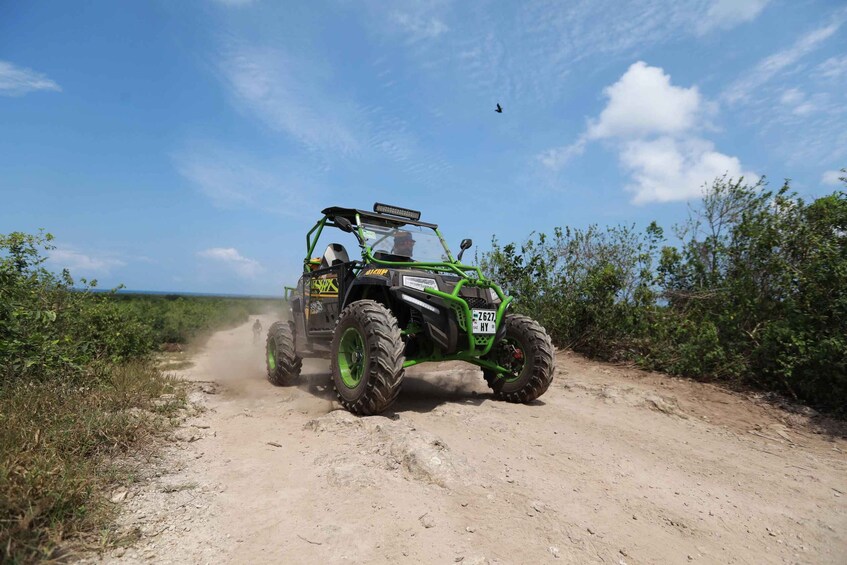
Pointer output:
420, 283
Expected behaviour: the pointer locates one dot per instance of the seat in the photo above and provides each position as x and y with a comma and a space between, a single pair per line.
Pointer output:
386, 256
335, 254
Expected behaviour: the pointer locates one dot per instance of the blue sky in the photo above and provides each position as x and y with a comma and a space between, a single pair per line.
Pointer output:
190, 145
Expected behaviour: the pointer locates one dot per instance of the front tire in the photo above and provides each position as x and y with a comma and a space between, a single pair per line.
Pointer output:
528, 351
367, 358
280, 356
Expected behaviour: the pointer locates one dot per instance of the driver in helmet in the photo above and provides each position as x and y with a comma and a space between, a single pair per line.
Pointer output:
404, 244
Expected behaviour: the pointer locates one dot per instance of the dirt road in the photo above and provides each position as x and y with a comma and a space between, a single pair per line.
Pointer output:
611, 465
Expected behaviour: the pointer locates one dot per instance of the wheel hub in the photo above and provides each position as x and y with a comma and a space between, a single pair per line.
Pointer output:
351, 357
510, 355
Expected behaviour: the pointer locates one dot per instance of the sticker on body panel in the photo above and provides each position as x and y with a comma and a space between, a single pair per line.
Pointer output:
324, 285
420, 283
376, 272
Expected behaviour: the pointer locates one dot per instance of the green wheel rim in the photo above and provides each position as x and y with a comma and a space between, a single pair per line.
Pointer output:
352, 357
507, 357
271, 356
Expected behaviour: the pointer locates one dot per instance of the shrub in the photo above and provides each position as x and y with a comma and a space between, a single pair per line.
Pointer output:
74, 388
755, 292
49, 329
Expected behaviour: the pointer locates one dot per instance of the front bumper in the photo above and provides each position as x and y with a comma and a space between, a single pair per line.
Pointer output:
447, 314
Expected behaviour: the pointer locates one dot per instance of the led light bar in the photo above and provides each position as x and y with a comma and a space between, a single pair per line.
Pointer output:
421, 303
395, 211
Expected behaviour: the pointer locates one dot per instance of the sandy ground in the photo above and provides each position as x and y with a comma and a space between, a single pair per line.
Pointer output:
611, 465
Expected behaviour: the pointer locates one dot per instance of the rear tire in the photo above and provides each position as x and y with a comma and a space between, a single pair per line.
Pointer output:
527, 347
367, 358
281, 359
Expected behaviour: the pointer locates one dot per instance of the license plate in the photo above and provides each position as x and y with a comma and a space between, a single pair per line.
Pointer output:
483, 321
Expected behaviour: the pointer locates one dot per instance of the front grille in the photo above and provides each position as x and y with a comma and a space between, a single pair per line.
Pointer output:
460, 316
482, 340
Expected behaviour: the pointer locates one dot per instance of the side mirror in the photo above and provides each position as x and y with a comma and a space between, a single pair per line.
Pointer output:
344, 224
466, 244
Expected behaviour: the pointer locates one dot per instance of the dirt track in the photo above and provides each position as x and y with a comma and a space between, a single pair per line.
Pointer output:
610, 466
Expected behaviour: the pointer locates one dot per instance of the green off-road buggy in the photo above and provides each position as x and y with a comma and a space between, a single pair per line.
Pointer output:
407, 301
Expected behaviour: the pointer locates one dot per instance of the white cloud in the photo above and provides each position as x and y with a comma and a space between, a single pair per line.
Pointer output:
791, 97
804, 109
726, 14
232, 179
832, 178
795, 100
243, 267
834, 67
527, 51
226, 184
792, 100
418, 26
644, 102
667, 169
299, 97
779, 62
653, 125
291, 96
82, 264
557, 157
17, 81
413, 21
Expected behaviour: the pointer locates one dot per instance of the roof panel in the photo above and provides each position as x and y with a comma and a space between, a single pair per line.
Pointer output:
350, 214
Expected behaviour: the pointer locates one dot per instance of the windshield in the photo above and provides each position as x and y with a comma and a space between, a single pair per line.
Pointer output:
404, 243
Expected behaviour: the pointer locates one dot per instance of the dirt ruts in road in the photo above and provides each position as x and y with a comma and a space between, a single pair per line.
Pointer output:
611, 465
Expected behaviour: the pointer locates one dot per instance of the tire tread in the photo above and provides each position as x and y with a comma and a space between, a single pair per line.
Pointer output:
385, 354
288, 363
540, 347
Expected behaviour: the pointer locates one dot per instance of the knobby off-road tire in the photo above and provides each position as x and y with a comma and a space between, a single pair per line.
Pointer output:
525, 335
367, 358
281, 359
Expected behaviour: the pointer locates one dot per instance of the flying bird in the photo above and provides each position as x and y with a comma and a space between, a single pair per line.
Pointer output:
499, 109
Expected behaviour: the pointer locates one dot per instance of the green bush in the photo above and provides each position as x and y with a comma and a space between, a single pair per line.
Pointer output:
76, 387
71, 370
755, 292
49, 329
181, 319
592, 289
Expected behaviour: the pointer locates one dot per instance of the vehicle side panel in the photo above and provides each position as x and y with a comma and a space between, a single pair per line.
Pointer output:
323, 289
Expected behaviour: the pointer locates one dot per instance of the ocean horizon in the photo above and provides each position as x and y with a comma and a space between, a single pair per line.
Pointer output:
127, 291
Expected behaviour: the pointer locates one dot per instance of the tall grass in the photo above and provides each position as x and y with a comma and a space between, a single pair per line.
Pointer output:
57, 448
78, 387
